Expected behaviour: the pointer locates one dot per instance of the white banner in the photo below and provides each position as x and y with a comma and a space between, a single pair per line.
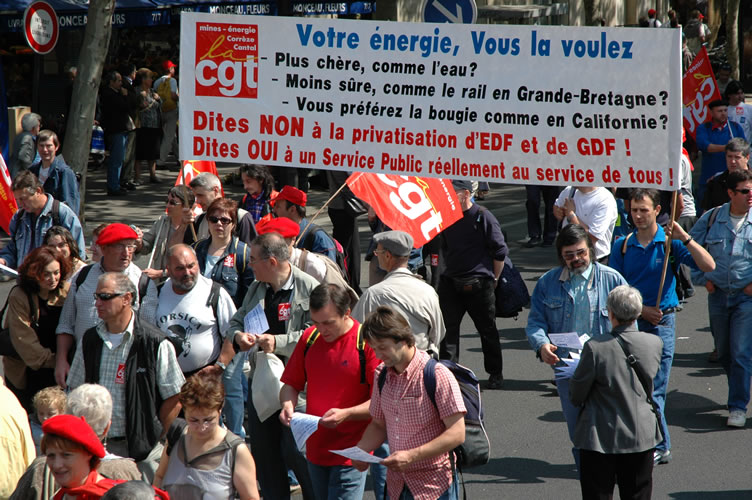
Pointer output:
512, 104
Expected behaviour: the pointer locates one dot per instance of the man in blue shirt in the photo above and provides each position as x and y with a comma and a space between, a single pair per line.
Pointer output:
291, 203
726, 231
711, 139
639, 258
570, 298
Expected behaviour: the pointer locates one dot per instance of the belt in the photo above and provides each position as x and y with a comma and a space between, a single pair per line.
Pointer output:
669, 310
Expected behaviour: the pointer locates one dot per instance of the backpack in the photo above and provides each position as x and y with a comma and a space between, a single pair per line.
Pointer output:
54, 213
165, 94
476, 450
361, 343
143, 282
333, 274
340, 259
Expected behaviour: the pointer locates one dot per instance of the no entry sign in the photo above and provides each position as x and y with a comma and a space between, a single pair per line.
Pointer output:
41, 27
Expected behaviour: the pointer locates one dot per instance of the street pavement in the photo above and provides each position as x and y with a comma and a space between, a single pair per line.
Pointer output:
530, 449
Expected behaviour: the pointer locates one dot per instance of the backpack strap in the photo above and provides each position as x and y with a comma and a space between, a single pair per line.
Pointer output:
82, 274
712, 217
311, 339
429, 380
55, 212
624, 245
382, 379
361, 343
213, 299
143, 286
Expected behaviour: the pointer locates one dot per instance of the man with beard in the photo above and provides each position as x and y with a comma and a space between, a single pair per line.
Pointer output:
639, 257
570, 298
193, 313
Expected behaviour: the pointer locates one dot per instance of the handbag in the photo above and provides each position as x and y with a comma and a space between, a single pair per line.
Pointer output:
266, 384
511, 292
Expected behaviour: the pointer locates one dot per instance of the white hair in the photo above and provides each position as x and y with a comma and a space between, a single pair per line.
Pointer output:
94, 403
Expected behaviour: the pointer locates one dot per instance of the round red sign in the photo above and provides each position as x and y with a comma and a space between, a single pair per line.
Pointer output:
41, 27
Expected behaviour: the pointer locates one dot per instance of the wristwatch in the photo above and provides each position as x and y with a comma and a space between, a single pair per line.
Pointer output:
221, 365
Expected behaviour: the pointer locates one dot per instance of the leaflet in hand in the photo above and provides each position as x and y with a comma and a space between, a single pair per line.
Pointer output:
567, 370
302, 426
569, 340
355, 453
255, 321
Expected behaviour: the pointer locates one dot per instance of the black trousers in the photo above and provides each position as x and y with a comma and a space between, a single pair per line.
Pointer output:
274, 450
633, 472
345, 230
479, 301
534, 194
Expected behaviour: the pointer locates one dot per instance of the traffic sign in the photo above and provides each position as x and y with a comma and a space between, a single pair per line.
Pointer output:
449, 11
41, 27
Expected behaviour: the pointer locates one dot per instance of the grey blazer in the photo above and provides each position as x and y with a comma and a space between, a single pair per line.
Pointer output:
615, 416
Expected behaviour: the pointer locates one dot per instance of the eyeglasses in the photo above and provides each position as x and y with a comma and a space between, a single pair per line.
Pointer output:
223, 220
252, 260
743, 191
107, 296
573, 255
197, 422
122, 246
174, 202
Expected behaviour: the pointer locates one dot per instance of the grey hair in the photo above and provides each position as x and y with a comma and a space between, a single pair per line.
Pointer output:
625, 303
29, 121
94, 403
130, 490
122, 282
737, 145
272, 245
205, 180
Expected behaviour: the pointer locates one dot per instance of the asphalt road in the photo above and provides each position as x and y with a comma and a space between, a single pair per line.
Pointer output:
531, 455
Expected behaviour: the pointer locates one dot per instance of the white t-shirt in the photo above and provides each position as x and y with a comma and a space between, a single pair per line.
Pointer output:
686, 188
188, 321
44, 173
742, 114
597, 210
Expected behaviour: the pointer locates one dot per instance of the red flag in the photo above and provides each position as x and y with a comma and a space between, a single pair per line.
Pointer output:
698, 89
8, 205
422, 207
192, 168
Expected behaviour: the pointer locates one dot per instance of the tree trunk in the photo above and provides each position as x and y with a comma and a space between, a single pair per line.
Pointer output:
714, 20
85, 90
732, 36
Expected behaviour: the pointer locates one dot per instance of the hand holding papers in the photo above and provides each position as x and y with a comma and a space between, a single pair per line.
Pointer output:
255, 321
355, 453
302, 426
569, 340
567, 370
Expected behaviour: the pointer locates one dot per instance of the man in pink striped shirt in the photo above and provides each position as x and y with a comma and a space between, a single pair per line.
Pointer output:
420, 434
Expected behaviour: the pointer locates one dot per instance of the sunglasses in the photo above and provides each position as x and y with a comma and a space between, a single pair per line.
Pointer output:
223, 220
743, 191
107, 296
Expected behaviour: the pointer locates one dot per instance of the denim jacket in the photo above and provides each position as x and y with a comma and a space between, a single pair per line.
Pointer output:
552, 305
61, 183
731, 251
22, 241
234, 274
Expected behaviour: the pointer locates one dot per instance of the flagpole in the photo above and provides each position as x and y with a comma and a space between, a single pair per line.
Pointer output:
310, 221
182, 181
668, 247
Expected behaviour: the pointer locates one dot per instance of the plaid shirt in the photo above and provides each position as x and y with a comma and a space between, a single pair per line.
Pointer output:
169, 376
412, 420
257, 205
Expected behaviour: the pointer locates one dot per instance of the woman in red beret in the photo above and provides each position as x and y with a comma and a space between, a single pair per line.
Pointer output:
73, 453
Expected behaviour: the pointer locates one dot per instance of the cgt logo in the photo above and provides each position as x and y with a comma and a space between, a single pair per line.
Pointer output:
227, 60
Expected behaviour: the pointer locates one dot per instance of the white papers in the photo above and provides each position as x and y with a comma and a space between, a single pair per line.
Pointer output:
302, 426
566, 371
255, 321
9, 270
569, 340
355, 453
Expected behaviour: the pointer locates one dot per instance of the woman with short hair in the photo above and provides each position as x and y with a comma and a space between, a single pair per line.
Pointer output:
61, 239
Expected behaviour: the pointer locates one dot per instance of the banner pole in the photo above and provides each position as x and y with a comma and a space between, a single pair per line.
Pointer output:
668, 246
310, 221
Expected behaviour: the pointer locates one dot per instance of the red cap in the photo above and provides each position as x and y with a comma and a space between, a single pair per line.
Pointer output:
116, 232
169, 64
293, 195
651, 12
702, 17
75, 429
283, 226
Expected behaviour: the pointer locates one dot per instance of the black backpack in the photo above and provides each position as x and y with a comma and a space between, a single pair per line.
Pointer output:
340, 260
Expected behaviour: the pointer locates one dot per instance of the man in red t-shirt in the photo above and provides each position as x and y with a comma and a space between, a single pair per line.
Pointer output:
338, 367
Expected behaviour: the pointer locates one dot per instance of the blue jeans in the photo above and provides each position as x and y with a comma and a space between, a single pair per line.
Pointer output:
666, 330
337, 482
731, 323
571, 412
234, 409
116, 143
452, 493
378, 471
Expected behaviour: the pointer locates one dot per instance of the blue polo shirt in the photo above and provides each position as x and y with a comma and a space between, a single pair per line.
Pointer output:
715, 163
641, 266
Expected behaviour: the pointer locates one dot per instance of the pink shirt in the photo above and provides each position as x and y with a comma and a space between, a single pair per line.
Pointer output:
412, 420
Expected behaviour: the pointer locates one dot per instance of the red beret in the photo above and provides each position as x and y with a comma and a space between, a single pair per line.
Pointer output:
75, 429
116, 232
285, 227
651, 12
293, 195
169, 64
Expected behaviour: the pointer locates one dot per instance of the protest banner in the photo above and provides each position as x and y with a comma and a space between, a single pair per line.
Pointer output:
698, 89
513, 104
8, 205
420, 206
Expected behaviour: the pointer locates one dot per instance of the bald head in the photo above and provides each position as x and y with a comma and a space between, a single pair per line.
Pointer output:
182, 268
